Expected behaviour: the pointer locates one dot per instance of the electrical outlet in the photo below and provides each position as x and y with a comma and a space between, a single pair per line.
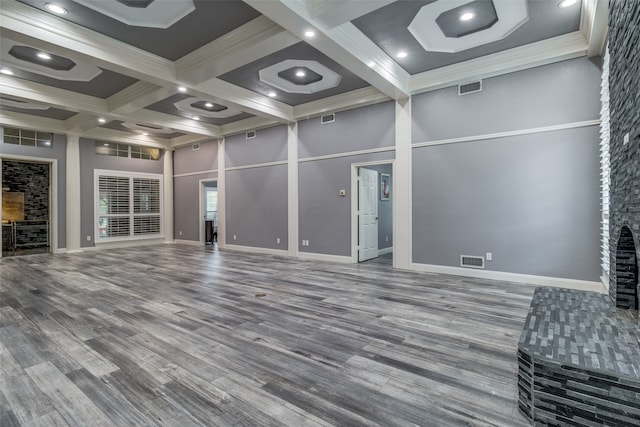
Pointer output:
278, 240
234, 237
180, 232
489, 256
88, 238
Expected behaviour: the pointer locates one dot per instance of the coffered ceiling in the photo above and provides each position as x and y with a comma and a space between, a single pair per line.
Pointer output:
183, 71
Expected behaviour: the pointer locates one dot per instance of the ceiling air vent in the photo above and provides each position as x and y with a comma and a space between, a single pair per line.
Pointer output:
468, 88
251, 134
328, 118
471, 261
195, 147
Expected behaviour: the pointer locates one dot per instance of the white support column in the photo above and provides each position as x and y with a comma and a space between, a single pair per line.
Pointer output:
292, 158
402, 181
74, 218
222, 196
168, 196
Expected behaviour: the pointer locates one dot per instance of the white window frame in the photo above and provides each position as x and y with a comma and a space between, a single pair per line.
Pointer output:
96, 205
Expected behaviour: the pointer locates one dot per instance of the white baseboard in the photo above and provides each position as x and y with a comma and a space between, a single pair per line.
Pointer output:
187, 242
605, 284
60, 251
583, 285
255, 249
325, 257
385, 251
120, 245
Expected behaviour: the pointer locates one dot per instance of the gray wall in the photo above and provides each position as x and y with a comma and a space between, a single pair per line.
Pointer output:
531, 200
324, 216
269, 145
186, 189
89, 162
385, 210
256, 198
58, 151
358, 129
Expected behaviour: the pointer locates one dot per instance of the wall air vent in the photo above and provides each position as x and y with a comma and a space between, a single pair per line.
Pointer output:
195, 147
471, 261
468, 88
251, 134
328, 118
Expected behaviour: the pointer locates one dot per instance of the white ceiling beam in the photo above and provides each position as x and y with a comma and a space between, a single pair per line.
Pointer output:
544, 52
137, 96
254, 40
594, 25
28, 121
180, 124
344, 101
81, 122
234, 96
252, 123
334, 13
344, 44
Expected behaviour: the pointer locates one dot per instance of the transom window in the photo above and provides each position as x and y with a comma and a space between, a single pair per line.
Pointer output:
29, 138
107, 148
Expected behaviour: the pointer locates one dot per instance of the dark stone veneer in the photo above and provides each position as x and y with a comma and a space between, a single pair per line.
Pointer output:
624, 88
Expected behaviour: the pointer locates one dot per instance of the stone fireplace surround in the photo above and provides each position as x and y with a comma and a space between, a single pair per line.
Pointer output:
579, 352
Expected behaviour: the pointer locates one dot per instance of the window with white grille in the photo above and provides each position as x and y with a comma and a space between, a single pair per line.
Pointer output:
30, 138
128, 205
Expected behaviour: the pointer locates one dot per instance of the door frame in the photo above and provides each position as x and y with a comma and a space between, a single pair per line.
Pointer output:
202, 214
354, 203
53, 195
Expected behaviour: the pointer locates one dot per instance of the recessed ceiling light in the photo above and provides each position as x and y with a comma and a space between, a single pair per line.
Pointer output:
272, 94
467, 16
6, 71
101, 120
51, 7
567, 3
300, 73
182, 89
401, 54
196, 118
208, 105
43, 55
309, 34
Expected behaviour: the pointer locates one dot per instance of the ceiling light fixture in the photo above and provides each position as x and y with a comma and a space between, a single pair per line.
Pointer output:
300, 73
208, 105
401, 54
59, 10
6, 71
182, 89
43, 55
309, 34
467, 16
272, 94
102, 121
567, 3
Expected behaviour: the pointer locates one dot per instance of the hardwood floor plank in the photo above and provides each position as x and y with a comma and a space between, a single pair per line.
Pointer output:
176, 336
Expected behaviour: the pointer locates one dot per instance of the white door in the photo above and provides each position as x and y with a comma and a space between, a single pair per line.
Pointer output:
368, 214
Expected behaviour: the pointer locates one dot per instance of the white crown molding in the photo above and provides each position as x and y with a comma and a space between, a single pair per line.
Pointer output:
28, 121
253, 40
344, 44
137, 96
344, 101
526, 279
544, 52
252, 123
594, 23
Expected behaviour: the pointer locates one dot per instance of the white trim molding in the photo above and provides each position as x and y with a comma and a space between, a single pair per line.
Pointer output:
347, 154
180, 175
506, 134
528, 279
187, 242
385, 251
122, 244
258, 165
256, 250
312, 256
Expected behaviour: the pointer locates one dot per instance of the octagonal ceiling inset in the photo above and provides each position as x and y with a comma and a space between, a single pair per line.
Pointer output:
271, 75
153, 14
34, 109
192, 105
140, 128
483, 15
26, 58
511, 15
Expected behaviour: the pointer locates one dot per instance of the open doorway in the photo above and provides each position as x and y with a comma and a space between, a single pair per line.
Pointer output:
27, 206
208, 212
372, 212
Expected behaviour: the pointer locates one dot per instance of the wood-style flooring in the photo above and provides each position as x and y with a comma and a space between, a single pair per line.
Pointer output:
179, 335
